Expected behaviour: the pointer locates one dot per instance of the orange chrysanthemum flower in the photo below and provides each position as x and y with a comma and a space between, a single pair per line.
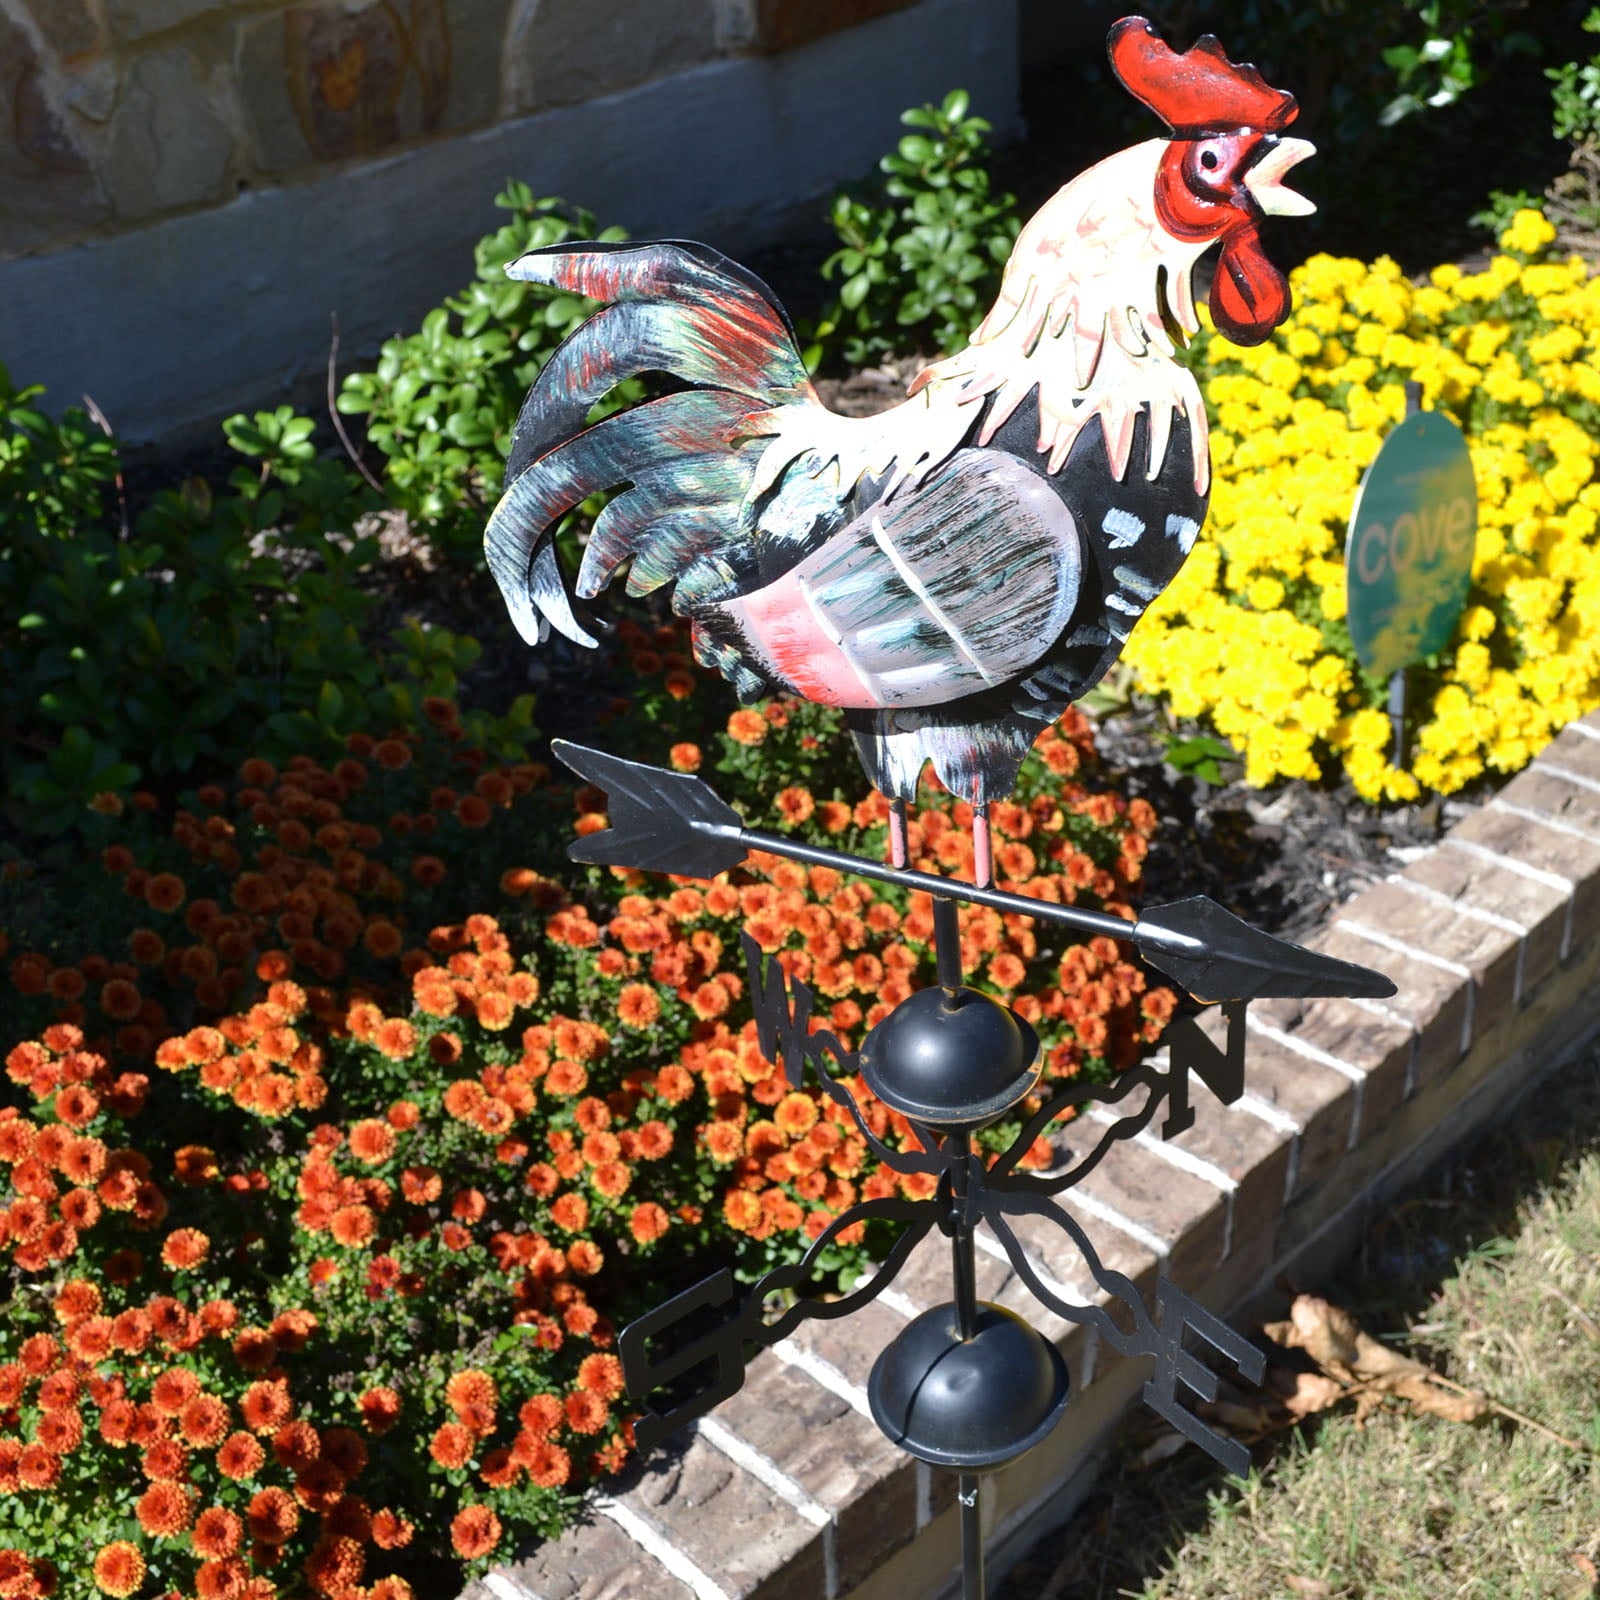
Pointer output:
240, 1457
747, 727
164, 1509
166, 891
395, 1038
587, 1411
549, 1466
474, 1532
648, 1222
451, 1446
173, 1390
61, 1431
217, 1533
272, 1516
638, 1006
685, 757
353, 1226
602, 1375
204, 1421
265, 1406
185, 1249
166, 1461
371, 1140
380, 1409
470, 1387
119, 1568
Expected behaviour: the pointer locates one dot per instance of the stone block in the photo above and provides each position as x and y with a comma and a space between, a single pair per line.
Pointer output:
70, 28
595, 1560
561, 51
132, 20
327, 82
1555, 856
47, 190
1532, 911
784, 24
169, 144
730, 1525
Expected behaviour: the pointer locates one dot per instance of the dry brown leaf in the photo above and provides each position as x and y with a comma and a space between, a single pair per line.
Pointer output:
1312, 1392
1366, 1366
1311, 1586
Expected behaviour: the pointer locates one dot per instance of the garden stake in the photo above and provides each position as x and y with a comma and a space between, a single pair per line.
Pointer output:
968, 1386
1397, 683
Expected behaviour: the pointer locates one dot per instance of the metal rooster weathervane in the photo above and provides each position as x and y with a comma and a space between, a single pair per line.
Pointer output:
950, 574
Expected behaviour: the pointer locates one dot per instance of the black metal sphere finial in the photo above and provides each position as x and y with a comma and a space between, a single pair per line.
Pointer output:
953, 1060
971, 1405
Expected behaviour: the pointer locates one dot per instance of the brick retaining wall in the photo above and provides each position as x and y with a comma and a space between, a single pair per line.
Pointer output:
789, 1492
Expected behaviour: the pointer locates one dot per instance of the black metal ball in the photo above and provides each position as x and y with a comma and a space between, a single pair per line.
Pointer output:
971, 1405
953, 1059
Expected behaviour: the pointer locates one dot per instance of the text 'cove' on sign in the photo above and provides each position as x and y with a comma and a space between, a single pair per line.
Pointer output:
1408, 556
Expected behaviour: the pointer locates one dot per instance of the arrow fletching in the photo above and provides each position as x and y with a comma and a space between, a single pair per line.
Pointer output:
1216, 956
660, 821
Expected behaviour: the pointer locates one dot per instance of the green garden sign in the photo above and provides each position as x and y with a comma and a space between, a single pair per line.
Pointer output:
1408, 557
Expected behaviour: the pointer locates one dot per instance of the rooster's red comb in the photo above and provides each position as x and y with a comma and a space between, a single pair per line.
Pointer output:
1200, 89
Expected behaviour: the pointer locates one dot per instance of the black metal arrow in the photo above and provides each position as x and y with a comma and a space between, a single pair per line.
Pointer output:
672, 822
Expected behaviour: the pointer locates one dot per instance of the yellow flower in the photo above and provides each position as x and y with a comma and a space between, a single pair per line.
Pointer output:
1530, 232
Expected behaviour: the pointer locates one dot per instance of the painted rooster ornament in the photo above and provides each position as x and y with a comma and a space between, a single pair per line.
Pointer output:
954, 572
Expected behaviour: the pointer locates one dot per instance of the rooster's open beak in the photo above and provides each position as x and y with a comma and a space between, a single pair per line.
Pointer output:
1264, 179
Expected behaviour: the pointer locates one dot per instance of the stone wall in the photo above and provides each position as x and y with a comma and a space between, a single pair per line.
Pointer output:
175, 167
117, 112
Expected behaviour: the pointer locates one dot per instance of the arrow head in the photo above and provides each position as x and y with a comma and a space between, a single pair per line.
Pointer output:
660, 821
1216, 956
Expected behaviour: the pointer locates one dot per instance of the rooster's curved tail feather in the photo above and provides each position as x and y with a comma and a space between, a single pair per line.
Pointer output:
674, 308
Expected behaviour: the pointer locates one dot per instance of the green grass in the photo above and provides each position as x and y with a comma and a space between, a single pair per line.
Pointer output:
1491, 1274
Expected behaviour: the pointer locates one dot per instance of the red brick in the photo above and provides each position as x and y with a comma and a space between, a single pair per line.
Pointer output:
594, 1561
729, 1524
1252, 1153
1320, 1101
1430, 1003
1184, 1211
1483, 890
837, 1456
1445, 938
1573, 802
1363, 1040
1545, 850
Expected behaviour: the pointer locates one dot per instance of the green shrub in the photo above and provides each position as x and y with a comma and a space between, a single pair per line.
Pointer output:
441, 403
221, 623
922, 253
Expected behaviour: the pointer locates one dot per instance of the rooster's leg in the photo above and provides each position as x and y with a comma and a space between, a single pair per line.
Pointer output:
982, 858
897, 833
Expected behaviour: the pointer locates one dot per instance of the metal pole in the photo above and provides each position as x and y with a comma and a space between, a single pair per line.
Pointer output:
971, 1537
1397, 684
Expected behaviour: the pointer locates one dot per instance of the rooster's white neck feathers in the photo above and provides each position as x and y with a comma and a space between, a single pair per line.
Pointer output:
1088, 294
